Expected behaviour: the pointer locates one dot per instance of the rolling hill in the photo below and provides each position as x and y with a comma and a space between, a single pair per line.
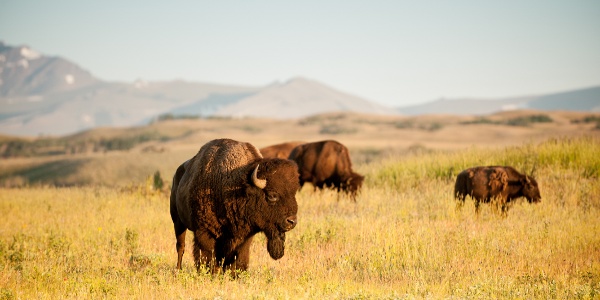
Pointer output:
121, 156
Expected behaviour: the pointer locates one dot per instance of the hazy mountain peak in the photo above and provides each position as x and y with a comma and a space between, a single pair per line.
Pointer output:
27, 72
298, 97
29, 54
51, 95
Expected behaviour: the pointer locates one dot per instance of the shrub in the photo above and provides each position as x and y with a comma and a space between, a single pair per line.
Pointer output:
337, 129
517, 121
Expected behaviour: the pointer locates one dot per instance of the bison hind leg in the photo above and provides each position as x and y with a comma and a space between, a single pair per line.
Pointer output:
180, 231
180, 246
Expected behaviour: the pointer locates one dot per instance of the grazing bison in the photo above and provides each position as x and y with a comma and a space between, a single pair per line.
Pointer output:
501, 183
279, 150
226, 194
326, 164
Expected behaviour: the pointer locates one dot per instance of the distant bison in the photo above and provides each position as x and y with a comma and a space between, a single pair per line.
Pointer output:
279, 150
226, 194
501, 183
327, 164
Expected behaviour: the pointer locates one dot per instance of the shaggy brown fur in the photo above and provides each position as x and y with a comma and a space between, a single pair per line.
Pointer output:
219, 195
501, 183
327, 164
279, 150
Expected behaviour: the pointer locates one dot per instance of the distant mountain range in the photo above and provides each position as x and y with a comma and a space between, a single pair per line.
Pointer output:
41, 95
587, 99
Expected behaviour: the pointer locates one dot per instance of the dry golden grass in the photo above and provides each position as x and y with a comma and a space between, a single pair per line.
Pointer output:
403, 238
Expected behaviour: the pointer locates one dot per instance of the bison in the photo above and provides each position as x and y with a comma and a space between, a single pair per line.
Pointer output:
225, 195
500, 183
279, 150
327, 164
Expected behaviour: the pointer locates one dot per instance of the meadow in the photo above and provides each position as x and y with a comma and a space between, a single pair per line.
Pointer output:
404, 238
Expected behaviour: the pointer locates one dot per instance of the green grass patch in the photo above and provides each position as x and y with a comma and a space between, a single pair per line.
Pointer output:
577, 155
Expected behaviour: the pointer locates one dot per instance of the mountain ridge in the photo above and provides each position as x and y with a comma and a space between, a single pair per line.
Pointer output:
583, 99
49, 95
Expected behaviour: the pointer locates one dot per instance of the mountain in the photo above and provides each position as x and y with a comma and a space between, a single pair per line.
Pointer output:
43, 95
25, 72
579, 100
296, 98
105, 104
587, 99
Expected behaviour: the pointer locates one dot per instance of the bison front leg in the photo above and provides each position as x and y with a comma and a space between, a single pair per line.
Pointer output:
504, 208
204, 252
240, 259
477, 206
460, 200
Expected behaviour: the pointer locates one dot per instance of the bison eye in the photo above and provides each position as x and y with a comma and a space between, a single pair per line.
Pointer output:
272, 198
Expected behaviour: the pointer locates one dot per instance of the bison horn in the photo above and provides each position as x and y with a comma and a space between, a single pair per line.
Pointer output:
260, 183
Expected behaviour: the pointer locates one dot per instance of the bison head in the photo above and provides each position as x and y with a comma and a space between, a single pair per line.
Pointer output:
353, 184
531, 190
275, 182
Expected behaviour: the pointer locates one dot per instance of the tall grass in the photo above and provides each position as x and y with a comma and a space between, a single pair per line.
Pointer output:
579, 156
402, 239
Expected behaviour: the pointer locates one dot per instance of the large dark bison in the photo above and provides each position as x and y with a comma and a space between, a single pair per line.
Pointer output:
327, 164
226, 194
279, 150
500, 183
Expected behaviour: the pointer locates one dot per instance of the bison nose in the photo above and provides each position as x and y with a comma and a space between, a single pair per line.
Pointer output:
291, 222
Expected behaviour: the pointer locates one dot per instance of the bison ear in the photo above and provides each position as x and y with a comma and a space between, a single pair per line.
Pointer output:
260, 183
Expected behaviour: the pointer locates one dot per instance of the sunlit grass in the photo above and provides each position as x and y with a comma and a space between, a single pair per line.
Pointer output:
403, 238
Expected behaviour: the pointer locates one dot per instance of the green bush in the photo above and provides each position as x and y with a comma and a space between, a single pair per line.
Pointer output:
337, 129
518, 121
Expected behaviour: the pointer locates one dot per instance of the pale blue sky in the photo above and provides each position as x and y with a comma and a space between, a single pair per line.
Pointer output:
392, 52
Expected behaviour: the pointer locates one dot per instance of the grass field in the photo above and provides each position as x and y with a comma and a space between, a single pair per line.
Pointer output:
403, 238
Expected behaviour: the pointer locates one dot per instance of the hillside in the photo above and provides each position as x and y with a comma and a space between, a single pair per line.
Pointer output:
123, 156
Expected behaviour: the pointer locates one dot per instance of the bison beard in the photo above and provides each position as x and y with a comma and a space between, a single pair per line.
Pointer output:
275, 244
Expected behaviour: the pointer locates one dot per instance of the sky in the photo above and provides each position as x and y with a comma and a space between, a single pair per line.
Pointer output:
395, 53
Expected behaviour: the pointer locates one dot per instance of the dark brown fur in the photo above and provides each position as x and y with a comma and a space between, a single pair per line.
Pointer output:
501, 183
214, 196
279, 150
327, 164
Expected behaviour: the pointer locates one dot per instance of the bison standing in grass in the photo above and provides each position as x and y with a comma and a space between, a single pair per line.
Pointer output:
225, 195
279, 150
499, 183
327, 164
